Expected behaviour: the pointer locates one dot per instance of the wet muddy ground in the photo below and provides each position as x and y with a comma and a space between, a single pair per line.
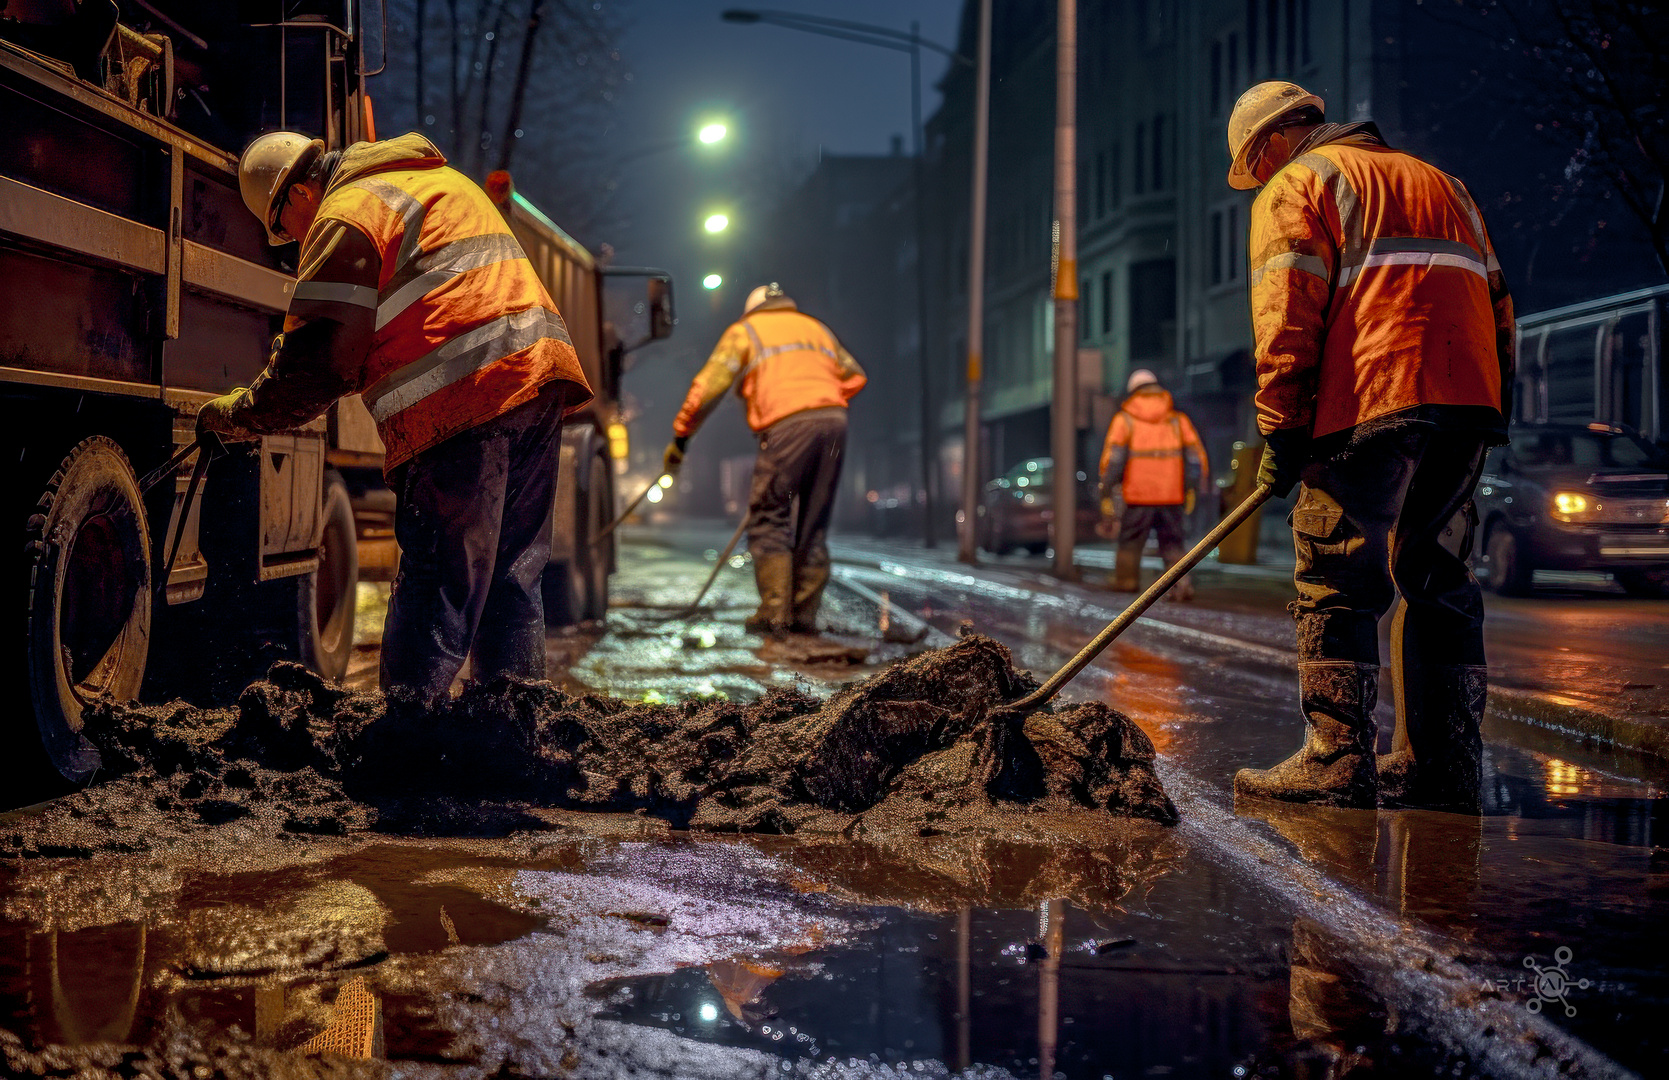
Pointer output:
1242, 941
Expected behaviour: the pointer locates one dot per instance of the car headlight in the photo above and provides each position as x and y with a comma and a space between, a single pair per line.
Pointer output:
1572, 506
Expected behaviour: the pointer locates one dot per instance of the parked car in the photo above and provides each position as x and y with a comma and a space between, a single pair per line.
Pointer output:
1016, 509
1575, 497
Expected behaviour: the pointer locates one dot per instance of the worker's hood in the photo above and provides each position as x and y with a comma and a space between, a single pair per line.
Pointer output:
408, 151
1150, 404
1362, 133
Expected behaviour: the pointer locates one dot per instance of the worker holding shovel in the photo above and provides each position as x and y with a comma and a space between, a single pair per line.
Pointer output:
1384, 347
796, 379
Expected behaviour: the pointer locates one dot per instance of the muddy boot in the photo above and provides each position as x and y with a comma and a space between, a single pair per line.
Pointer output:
1127, 570
808, 597
773, 572
1436, 758
1335, 766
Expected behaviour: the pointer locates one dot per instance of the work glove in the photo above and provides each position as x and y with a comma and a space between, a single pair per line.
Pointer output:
216, 417
1285, 453
673, 459
1190, 499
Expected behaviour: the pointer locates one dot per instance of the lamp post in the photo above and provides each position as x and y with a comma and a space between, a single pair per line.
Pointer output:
1064, 419
912, 43
968, 538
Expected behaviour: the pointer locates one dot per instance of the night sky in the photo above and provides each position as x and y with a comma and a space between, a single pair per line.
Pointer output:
787, 96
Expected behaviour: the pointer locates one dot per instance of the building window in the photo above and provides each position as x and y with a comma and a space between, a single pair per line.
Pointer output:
1158, 153
1114, 179
1106, 302
1152, 308
1292, 35
1100, 184
1086, 316
1216, 247
1271, 35
1251, 39
1304, 31
1139, 176
1234, 65
1216, 78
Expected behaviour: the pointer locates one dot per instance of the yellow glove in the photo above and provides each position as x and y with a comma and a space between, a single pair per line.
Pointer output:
1108, 507
216, 416
673, 459
1188, 501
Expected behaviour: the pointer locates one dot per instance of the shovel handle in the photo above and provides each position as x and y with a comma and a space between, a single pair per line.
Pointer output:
724, 556
626, 513
1088, 653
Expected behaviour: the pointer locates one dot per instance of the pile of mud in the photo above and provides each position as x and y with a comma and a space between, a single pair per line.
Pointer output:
924, 748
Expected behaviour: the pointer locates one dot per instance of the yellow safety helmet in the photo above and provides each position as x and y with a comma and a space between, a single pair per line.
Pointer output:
1255, 113
268, 167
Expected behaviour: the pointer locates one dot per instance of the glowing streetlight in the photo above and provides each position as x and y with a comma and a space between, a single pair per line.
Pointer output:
711, 281
717, 223
712, 133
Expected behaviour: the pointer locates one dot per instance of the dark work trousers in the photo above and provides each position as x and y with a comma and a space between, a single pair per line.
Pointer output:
794, 483
473, 517
1138, 521
1369, 523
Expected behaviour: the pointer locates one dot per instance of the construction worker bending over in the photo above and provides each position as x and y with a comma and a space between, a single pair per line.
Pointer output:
796, 379
1152, 464
413, 293
1384, 343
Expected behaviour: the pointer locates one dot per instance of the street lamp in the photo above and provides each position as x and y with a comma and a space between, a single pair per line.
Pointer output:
711, 281
712, 133
709, 134
716, 223
912, 43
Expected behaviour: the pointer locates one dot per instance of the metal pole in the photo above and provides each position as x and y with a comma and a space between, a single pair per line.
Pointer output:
927, 425
1064, 422
968, 538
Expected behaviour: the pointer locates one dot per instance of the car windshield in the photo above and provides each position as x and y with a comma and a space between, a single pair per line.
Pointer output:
1589, 449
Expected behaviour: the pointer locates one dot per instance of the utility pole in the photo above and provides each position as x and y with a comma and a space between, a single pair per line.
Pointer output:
929, 444
1064, 421
968, 538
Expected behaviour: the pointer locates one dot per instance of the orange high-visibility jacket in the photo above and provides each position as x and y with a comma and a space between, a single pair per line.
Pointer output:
1374, 289
1152, 451
781, 362
413, 293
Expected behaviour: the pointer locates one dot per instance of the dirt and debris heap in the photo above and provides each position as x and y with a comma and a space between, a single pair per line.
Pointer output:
925, 747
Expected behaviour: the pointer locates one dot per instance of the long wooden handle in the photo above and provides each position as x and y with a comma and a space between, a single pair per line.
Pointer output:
1234, 520
626, 513
724, 556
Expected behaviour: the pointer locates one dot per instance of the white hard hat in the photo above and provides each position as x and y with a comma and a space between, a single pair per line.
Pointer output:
1257, 110
1139, 378
760, 295
268, 167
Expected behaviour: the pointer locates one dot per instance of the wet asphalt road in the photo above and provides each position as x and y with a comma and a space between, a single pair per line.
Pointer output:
1249, 940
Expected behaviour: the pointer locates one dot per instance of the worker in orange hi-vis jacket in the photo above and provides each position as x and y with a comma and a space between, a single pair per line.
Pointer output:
796, 379
1383, 337
412, 293
1152, 465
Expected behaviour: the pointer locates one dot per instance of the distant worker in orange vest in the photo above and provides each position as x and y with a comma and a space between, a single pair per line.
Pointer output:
1152, 465
413, 293
796, 379
1383, 335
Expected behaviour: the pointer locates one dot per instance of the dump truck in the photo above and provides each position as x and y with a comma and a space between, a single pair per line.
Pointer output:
137, 286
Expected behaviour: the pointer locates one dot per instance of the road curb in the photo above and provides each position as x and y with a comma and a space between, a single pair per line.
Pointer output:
1544, 711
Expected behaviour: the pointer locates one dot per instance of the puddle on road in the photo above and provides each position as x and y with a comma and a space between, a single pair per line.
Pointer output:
546, 955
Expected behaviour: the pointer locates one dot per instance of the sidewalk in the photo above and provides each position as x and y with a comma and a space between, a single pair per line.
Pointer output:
1579, 667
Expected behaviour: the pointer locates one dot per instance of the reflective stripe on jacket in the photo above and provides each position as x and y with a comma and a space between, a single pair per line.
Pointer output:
1152, 451
1374, 289
781, 362
450, 326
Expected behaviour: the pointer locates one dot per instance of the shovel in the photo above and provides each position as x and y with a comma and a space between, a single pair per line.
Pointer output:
626, 513
1159, 588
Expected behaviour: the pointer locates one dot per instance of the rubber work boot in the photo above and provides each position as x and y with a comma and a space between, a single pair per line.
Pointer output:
1127, 570
1335, 766
809, 583
1436, 758
773, 572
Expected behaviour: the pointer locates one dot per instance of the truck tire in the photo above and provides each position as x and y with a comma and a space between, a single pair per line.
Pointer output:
597, 562
89, 598
325, 598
